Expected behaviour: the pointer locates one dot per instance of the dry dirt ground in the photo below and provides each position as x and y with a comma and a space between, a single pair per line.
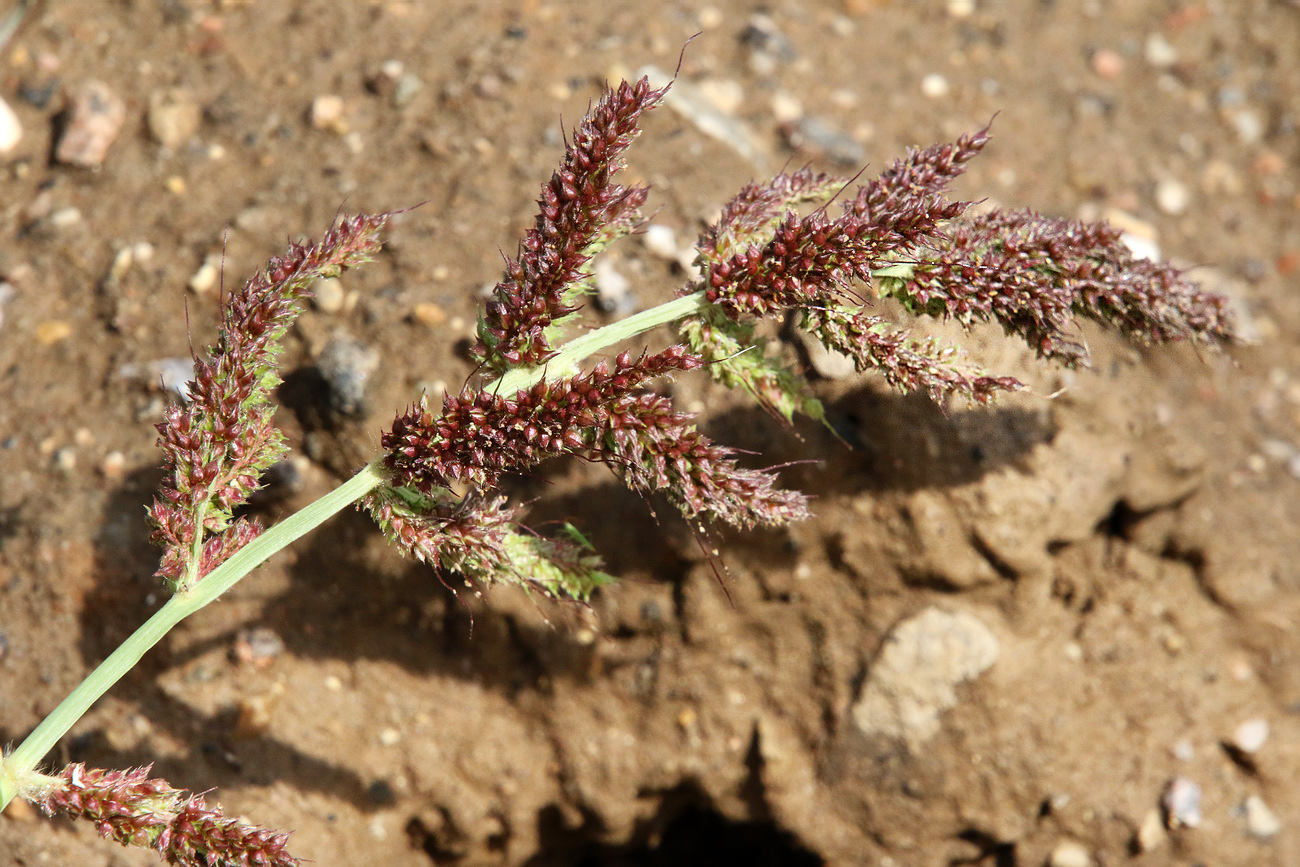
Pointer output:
1003, 638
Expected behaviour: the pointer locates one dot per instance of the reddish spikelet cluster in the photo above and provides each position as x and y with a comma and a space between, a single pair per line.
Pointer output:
580, 209
906, 364
814, 259
752, 214
481, 436
135, 810
218, 444
1034, 274
478, 537
656, 448
465, 535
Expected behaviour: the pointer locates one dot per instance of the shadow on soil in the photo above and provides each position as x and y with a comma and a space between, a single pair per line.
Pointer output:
880, 442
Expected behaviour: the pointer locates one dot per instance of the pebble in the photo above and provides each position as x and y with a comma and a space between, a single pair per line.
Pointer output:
1159, 52
709, 17
327, 295
94, 120
1250, 736
786, 107
52, 331
613, 290
407, 88
1261, 822
1069, 853
6, 293
1140, 236
202, 280
327, 113
1172, 197
1108, 64
961, 8
1151, 833
113, 466
64, 218
660, 241
346, 365
389, 737
935, 86
428, 313
257, 647
1182, 804
1248, 124
171, 374
11, 131
173, 116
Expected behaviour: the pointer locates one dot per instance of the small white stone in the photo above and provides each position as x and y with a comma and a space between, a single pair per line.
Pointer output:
389, 736
1182, 803
660, 241
1172, 197
65, 217
961, 8
11, 131
1159, 52
327, 113
206, 277
1151, 833
328, 295
786, 107
1069, 853
333, 683
1250, 736
709, 17
1261, 822
934, 86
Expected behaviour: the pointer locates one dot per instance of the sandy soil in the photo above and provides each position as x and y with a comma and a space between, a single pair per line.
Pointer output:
1097, 591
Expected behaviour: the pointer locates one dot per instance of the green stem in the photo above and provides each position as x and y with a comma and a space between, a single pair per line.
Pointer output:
21, 762
593, 341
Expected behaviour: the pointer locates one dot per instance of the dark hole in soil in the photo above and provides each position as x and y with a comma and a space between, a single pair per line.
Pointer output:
688, 831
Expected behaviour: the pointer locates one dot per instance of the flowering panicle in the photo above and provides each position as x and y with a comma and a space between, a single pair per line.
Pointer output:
601, 415
1034, 274
581, 210
135, 810
218, 444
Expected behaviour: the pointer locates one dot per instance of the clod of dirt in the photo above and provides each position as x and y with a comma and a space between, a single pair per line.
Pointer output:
915, 675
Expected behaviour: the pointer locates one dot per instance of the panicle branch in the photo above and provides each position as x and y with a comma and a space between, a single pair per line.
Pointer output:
581, 210
133, 809
480, 435
1034, 274
217, 445
657, 448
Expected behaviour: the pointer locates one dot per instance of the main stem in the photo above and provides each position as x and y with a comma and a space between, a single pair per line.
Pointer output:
17, 768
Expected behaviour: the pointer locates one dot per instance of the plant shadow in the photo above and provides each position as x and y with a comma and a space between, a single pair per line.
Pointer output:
341, 605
